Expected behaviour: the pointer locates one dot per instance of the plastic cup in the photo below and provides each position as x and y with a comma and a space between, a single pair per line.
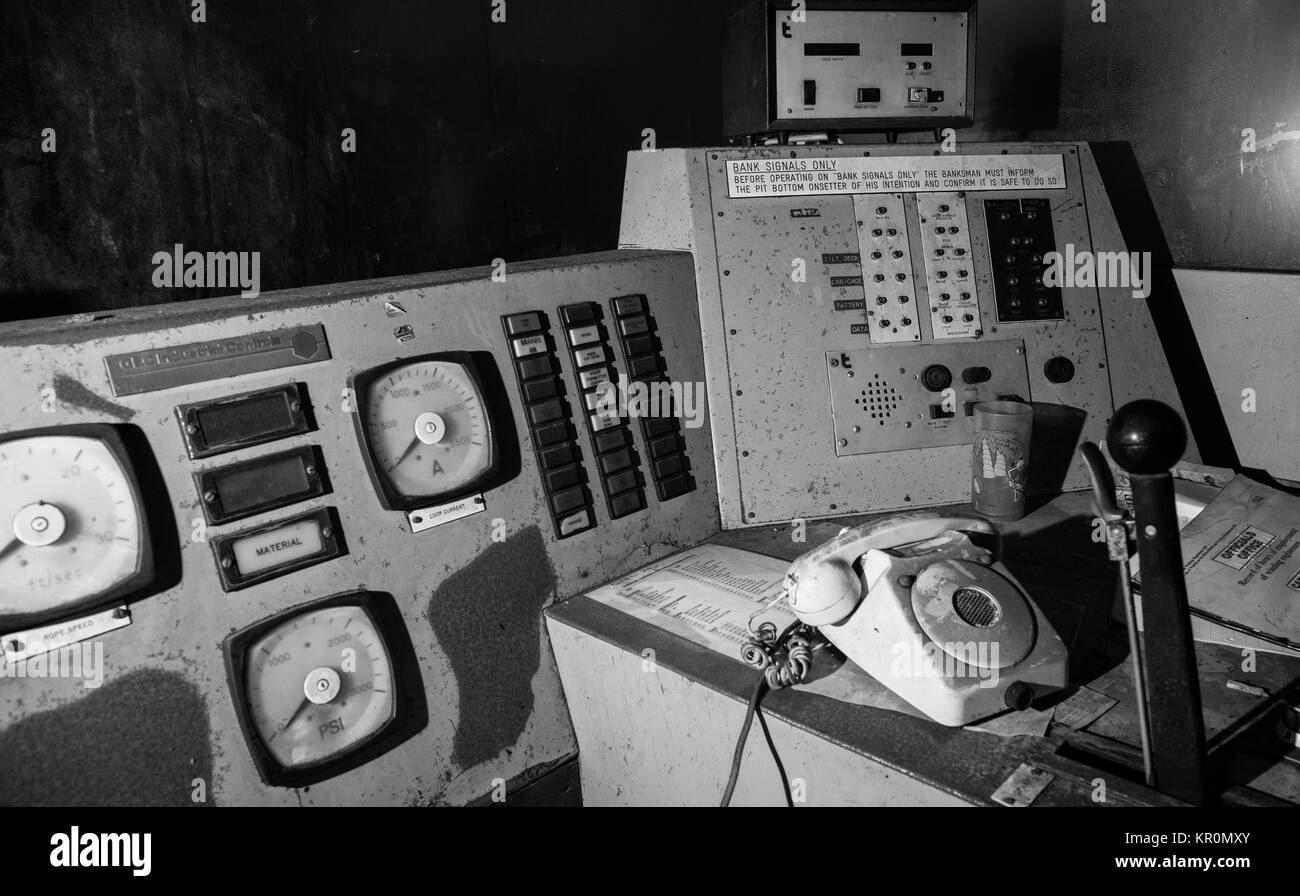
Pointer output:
1000, 459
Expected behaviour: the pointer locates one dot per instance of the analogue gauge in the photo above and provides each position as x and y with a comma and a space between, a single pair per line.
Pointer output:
319, 687
426, 427
71, 526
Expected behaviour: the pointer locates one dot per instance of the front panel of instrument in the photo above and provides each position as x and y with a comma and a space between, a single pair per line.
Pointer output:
298, 546
857, 302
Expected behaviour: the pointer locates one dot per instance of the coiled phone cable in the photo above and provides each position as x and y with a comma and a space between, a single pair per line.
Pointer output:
783, 660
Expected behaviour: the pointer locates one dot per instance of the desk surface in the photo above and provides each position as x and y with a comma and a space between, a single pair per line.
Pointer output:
1052, 552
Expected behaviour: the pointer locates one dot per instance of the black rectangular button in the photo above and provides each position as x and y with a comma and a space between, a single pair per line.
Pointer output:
627, 305
620, 482
570, 499
563, 478
519, 324
938, 412
667, 466
970, 408
551, 433
628, 502
644, 366
638, 345
578, 314
610, 439
658, 426
665, 445
633, 326
537, 365
558, 455
545, 412
674, 486
538, 390
612, 463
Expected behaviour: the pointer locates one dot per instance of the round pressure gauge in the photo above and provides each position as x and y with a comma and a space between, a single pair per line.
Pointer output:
71, 526
426, 428
318, 687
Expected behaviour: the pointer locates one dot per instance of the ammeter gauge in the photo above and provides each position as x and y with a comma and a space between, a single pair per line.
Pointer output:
426, 430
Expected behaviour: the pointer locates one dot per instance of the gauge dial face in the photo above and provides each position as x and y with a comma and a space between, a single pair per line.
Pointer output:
70, 527
427, 428
319, 685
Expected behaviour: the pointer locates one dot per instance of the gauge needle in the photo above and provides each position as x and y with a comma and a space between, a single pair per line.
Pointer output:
9, 548
415, 443
293, 718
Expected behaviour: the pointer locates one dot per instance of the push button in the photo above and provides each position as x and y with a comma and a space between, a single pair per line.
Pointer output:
647, 365
551, 433
529, 345
625, 306
557, 456
633, 326
675, 485
609, 440
563, 478
667, 466
546, 412
584, 335
612, 463
518, 324
620, 482
628, 502
589, 357
539, 390
570, 499
578, 314
665, 445
575, 523
540, 365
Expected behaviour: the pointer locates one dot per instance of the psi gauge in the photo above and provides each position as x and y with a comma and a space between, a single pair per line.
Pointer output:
321, 688
426, 428
72, 530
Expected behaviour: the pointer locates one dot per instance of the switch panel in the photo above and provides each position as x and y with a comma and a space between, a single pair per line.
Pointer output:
786, 68
616, 457
1020, 236
886, 268
949, 266
559, 459
885, 399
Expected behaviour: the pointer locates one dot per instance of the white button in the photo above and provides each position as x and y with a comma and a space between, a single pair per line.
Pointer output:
583, 335
603, 421
590, 356
574, 523
277, 547
593, 378
530, 345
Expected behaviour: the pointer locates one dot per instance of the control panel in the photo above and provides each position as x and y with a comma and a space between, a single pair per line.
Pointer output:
841, 66
310, 536
856, 301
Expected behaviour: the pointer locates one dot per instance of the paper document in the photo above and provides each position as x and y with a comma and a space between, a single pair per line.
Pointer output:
706, 594
1241, 559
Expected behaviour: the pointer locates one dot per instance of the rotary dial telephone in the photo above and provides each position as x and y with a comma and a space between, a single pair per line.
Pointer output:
921, 603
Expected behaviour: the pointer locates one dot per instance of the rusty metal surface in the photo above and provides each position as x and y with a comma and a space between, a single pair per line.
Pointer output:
472, 605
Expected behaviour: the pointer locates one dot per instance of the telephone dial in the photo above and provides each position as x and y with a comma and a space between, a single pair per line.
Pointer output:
921, 602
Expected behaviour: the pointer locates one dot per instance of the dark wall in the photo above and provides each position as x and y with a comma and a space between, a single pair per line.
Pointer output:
478, 140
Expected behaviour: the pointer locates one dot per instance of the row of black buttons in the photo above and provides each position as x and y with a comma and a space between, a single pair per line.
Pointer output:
669, 467
558, 456
616, 457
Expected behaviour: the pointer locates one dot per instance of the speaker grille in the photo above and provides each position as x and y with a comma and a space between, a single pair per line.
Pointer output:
976, 607
879, 399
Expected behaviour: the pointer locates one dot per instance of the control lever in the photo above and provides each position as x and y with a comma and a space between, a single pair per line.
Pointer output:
1146, 438
1119, 534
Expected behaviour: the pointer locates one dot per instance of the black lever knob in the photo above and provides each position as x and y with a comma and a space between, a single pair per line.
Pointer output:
1146, 437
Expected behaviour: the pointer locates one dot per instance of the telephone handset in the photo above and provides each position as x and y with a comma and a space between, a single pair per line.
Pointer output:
921, 602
